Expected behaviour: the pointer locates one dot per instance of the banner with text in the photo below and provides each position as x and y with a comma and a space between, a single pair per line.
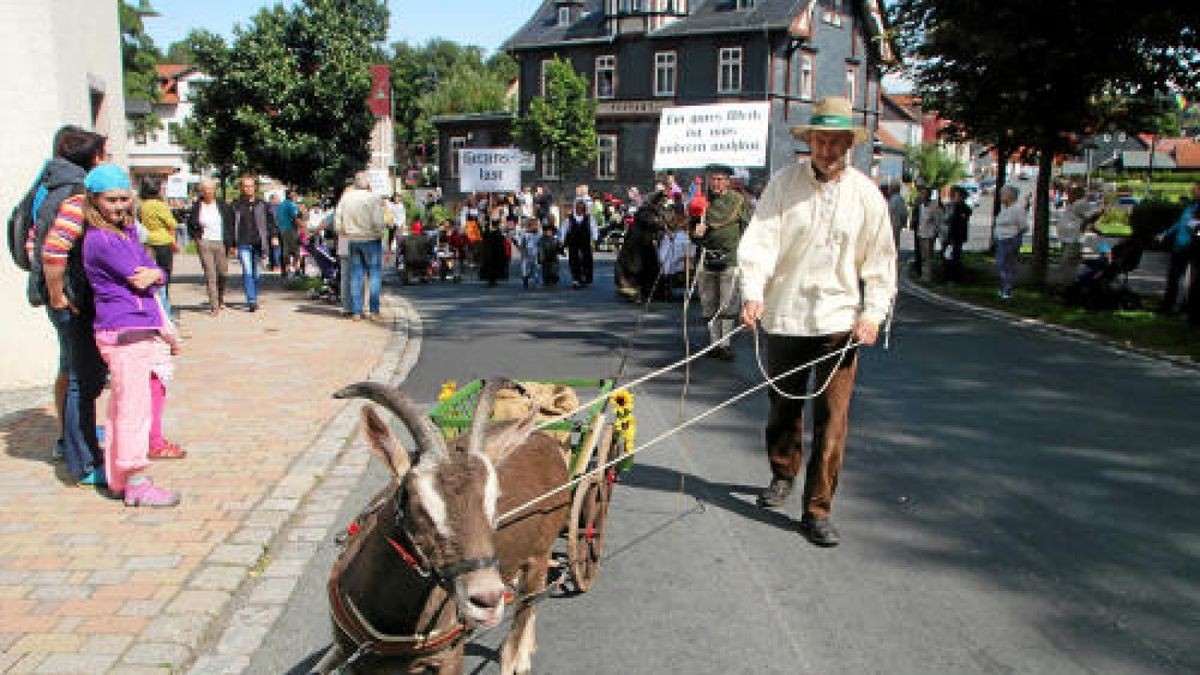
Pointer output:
489, 169
695, 136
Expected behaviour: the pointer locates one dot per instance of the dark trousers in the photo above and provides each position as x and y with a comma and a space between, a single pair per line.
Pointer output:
831, 414
579, 257
1193, 309
953, 266
1175, 270
86, 375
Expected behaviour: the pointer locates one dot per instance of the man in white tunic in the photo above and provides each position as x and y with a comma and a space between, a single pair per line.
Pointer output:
818, 269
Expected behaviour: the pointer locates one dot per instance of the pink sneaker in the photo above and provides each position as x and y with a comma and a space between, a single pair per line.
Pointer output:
146, 493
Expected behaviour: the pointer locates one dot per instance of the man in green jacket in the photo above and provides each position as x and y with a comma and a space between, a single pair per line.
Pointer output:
717, 235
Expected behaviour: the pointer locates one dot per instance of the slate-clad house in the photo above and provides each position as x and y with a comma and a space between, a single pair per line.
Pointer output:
641, 56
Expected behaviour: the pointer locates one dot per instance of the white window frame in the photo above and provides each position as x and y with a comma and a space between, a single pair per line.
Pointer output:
564, 16
456, 143
745, 4
800, 83
549, 162
542, 78
606, 169
663, 64
606, 63
729, 59
832, 14
852, 86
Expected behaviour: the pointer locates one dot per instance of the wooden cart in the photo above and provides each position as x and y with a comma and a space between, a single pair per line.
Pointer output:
590, 441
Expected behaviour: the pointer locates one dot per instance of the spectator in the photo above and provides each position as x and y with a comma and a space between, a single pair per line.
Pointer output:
1077, 218
57, 278
1010, 225
493, 261
529, 242
579, 232
897, 210
1181, 235
361, 221
417, 247
160, 226
211, 225
254, 235
133, 333
549, 250
929, 228
958, 222
286, 215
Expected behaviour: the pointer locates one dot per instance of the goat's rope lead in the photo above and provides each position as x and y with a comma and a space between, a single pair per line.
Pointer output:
850, 344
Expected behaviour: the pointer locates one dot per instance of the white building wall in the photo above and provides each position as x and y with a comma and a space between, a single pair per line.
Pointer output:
159, 151
55, 53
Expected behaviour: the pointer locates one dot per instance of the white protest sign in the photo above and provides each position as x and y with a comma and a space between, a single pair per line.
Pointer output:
489, 169
693, 137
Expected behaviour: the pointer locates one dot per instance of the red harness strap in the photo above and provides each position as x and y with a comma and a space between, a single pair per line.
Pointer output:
404, 554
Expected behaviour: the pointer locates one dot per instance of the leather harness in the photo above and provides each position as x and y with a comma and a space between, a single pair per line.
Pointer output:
350, 620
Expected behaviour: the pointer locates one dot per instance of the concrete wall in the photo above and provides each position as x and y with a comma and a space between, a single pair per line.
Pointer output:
58, 56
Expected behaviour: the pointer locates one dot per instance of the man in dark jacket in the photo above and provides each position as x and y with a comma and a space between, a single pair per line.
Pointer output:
579, 232
253, 235
958, 223
64, 289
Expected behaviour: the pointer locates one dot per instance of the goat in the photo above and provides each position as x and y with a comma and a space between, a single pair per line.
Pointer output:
428, 564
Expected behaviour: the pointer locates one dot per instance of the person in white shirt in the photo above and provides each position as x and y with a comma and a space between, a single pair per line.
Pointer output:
210, 223
1010, 225
818, 269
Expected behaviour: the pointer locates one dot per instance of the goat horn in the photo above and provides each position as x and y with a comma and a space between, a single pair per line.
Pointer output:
423, 431
483, 409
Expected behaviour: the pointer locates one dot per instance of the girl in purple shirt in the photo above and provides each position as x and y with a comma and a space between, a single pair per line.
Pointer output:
132, 333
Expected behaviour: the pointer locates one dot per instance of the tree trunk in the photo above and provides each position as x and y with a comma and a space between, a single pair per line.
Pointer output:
1041, 216
1002, 154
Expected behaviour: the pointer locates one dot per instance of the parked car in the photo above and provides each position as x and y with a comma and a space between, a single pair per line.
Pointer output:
1026, 173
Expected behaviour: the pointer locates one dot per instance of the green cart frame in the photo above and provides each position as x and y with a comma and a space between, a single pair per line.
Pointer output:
591, 443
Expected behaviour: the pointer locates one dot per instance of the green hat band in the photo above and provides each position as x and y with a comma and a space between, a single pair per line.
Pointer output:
838, 121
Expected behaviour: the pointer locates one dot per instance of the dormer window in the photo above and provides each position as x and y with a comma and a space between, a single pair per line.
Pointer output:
745, 4
564, 16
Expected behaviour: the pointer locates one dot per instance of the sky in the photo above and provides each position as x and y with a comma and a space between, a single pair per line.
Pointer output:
486, 23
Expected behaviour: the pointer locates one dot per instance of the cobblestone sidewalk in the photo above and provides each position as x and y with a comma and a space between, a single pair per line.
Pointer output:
89, 586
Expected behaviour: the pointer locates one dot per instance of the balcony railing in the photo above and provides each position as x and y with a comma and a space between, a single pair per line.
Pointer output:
615, 9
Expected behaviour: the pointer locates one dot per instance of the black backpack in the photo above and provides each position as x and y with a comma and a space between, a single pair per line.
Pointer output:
23, 219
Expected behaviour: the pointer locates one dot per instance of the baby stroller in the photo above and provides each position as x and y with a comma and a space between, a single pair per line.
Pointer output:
331, 271
446, 265
1104, 282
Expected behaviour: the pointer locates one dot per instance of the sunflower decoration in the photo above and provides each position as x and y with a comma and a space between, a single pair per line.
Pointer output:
449, 388
622, 400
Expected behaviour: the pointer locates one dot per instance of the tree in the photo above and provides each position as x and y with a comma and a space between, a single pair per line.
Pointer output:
181, 51
419, 72
1027, 75
936, 167
289, 97
563, 120
139, 63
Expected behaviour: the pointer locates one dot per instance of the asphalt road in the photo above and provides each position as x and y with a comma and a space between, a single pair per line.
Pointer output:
1011, 502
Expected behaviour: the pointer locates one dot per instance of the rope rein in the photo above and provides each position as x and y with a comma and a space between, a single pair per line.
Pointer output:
841, 352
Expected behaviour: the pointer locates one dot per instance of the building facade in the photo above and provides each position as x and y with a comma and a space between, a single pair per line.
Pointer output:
158, 152
641, 56
62, 65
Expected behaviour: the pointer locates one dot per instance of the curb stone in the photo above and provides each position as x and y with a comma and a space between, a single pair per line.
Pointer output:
237, 593
1073, 334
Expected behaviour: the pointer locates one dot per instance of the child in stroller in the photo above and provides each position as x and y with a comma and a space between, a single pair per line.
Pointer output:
320, 246
1096, 286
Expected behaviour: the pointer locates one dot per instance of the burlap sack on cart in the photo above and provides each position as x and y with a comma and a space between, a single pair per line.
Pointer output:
552, 400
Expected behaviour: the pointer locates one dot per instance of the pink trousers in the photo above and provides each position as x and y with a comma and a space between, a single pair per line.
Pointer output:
132, 407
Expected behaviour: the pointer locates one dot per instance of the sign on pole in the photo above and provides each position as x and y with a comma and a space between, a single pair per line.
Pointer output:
489, 169
177, 187
692, 137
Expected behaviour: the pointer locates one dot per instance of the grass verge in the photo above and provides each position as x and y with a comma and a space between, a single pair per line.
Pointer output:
1132, 328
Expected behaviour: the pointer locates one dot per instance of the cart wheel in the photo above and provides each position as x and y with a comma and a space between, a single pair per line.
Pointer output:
589, 519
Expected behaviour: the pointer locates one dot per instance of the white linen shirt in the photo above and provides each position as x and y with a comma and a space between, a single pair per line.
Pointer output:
808, 247
1010, 221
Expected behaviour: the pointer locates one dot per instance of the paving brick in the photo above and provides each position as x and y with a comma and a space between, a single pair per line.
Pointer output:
77, 664
218, 578
272, 591
185, 629
236, 554
107, 644
147, 608
114, 625
48, 642
220, 665
156, 654
209, 602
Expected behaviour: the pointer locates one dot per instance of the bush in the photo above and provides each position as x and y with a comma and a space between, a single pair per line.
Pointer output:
1114, 223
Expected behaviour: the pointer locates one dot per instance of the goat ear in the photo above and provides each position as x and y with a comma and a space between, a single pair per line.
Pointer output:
511, 438
383, 444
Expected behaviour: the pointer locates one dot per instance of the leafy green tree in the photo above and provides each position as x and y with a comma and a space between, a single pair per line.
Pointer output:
181, 51
1026, 75
289, 97
936, 167
139, 61
418, 73
563, 121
